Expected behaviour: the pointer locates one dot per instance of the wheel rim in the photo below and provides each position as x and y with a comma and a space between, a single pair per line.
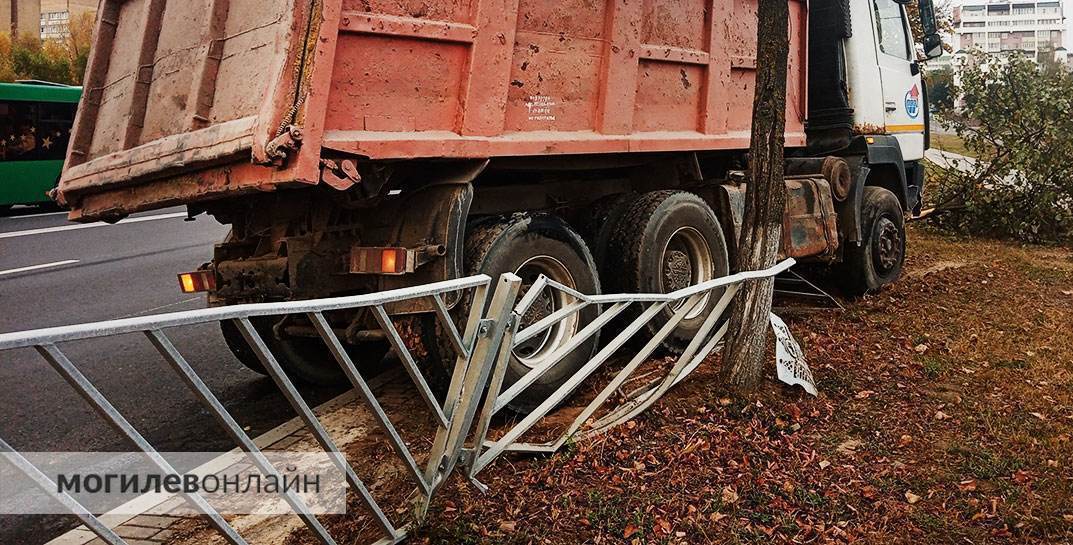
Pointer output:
534, 351
887, 250
686, 261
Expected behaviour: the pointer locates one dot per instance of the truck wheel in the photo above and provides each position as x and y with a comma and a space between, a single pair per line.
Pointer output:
238, 346
304, 359
878, 260
432, 352
666, 241
530, 245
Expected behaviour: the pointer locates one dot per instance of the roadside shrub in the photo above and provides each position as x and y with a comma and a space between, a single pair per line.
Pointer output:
1017, 119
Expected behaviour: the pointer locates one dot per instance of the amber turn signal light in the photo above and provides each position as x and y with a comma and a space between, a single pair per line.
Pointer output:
365, 260
389, 260
197, 281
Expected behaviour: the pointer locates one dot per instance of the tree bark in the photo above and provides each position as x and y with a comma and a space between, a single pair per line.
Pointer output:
765, 200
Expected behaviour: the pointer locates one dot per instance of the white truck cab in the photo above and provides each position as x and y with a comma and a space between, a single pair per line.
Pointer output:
867, 98
885, 87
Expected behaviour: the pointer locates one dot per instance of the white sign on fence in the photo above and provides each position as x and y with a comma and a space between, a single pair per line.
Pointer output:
790, 359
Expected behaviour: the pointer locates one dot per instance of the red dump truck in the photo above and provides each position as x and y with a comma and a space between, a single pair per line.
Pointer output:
363, 145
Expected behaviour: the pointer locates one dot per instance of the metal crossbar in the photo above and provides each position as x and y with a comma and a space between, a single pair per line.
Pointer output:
684, 302
52, 335
453, 417
483, 347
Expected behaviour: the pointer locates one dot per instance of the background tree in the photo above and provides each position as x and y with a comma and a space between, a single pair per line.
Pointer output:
1016, 118
765, 200
944, 19
27, 56
77, 43
7, 67
46, 60
1047, 60
941, 92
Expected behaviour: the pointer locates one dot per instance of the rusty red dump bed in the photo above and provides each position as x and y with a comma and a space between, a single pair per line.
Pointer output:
183, 97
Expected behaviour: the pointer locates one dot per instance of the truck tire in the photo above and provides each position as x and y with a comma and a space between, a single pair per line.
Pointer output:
240, 348
432, 352
529, 245
303, 359
666, 241
877, 262
598, 225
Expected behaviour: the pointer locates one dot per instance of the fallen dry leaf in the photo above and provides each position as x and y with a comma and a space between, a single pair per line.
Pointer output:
911, 497
729, 495
664, 526
849, 447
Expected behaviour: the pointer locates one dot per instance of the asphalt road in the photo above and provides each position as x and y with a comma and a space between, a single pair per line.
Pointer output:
53, 272
949, 159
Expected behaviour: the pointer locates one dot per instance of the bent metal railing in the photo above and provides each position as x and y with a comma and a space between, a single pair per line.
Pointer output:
683, 302
483, 347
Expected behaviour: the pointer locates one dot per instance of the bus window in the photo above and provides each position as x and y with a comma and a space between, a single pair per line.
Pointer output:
35, 131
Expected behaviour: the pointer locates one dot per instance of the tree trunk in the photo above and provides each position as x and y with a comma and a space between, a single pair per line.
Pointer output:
765, 200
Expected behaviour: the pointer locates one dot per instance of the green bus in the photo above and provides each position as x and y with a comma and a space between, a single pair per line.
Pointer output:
35, 126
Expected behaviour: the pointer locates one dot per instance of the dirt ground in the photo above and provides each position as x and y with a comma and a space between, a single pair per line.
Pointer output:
945, 416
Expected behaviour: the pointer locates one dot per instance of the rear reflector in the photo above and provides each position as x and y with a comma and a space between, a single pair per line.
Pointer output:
198, 281
380, 260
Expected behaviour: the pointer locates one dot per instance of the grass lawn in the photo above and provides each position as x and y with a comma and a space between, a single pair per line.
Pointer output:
950, 142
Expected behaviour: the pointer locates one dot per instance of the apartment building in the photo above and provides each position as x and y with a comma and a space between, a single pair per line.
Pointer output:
56, 15
1003, 26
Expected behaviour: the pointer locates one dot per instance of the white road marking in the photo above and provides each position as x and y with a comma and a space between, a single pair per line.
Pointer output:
161, 307
32, 216
38, 267
45, 230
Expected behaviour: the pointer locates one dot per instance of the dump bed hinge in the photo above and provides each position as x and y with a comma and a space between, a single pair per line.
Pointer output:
279, 148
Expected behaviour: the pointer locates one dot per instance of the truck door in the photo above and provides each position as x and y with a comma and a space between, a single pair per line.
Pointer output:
903, 93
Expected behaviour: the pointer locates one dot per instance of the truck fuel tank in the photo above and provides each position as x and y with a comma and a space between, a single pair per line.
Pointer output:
810, 224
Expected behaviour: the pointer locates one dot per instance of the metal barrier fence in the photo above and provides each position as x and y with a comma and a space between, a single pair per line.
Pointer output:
683, 302
483, 347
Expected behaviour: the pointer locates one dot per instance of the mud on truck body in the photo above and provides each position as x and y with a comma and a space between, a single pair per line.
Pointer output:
357, 146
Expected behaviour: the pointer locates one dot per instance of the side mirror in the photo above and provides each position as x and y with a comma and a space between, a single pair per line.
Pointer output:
933, 42
933, 46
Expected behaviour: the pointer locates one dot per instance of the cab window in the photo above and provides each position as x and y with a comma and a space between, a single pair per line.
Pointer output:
890, 28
